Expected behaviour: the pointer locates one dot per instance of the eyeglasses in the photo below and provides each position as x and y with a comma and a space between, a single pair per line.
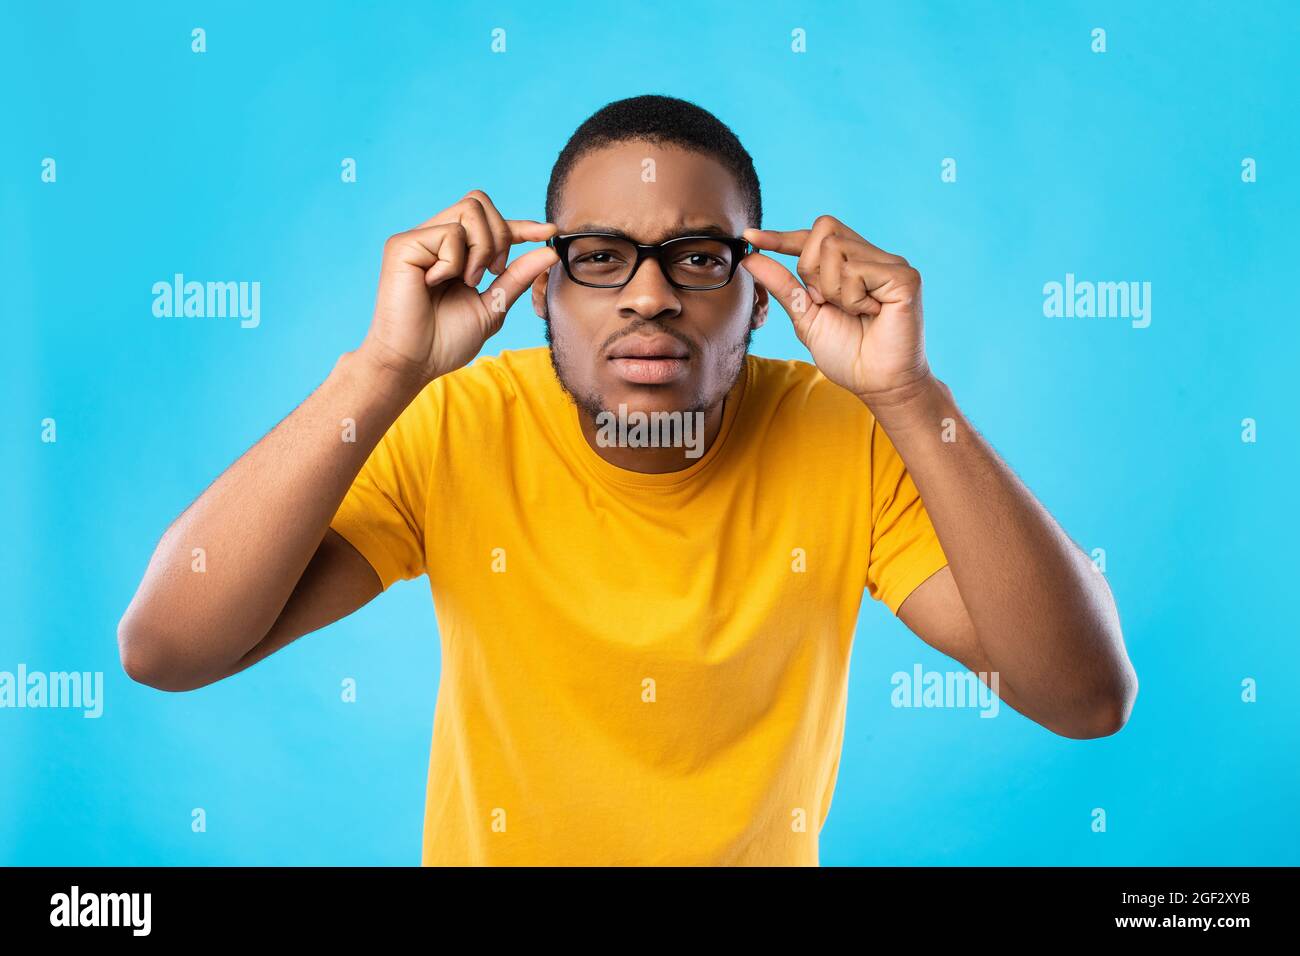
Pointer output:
602, 261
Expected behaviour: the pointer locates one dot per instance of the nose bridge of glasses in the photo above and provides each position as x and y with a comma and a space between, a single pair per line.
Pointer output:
655, 252
643, 256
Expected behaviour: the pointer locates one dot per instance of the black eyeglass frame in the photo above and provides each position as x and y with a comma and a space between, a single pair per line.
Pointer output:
740, 247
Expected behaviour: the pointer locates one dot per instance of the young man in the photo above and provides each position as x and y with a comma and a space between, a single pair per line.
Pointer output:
645, 647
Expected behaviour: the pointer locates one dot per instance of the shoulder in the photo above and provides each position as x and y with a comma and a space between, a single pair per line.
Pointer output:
797, 390
794, 411
480, 403
491, 379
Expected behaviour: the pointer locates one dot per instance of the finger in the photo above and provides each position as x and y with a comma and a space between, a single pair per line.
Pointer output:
852, 293
468, 212
830, 270
530, 230
788, 243
859, 248
837, 228
518, 276
883, 282
525, 230
781, 283
482, 250
810, 260
521, 230
793, 242
500, 231
437, 251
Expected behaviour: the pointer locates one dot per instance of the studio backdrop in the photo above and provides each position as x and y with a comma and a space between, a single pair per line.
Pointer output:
1024, 157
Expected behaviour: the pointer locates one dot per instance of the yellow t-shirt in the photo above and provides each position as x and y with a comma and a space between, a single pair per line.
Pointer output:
637, 669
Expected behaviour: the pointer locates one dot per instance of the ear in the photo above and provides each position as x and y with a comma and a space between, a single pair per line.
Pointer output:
539, 294
759, 315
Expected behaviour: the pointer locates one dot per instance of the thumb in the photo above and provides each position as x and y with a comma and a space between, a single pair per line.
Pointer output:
784, 287
506, 289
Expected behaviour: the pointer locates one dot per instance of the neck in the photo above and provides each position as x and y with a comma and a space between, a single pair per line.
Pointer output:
619, 443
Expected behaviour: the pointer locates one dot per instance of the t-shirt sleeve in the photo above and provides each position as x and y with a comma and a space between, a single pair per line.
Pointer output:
383, 513
904, 547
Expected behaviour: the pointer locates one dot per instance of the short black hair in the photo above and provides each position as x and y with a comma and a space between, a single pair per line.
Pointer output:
662, 120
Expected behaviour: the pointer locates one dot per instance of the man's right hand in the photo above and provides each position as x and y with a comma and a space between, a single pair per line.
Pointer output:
430, 318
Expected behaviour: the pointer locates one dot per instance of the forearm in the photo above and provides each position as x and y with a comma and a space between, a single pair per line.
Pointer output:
1043, 614
258, 526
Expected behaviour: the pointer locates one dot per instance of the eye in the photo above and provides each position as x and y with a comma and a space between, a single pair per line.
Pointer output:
706, 257
594, 257
701, 260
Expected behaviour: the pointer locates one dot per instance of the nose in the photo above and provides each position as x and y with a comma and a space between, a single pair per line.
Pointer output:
648, 294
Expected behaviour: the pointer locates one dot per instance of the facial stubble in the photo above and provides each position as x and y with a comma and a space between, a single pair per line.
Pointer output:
592, 405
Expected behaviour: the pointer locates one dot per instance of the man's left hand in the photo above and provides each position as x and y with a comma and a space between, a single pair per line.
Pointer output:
858, 309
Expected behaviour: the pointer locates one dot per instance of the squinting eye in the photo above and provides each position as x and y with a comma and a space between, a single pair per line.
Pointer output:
714, 260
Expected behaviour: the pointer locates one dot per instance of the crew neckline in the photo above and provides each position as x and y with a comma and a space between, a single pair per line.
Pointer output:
737, 399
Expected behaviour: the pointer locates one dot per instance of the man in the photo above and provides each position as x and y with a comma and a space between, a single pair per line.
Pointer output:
645, 646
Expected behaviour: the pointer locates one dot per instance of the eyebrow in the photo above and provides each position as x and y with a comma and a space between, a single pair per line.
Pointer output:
676, 230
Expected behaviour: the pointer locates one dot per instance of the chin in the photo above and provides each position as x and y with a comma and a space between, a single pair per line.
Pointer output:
678, 397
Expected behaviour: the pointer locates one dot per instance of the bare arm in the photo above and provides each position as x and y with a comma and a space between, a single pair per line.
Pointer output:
260, 524
1018, 597
337, 581
272, 568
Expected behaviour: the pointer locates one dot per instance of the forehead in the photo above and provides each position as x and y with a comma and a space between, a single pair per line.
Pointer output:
650, 192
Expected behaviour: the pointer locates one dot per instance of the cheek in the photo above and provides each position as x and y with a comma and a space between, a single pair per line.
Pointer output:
728, 325
570, 311
581, 323
571, 338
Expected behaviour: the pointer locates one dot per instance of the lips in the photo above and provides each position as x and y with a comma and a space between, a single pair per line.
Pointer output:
650, 371
655, 347
650, 360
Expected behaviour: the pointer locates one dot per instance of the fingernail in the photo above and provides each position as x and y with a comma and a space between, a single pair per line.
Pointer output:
478, 276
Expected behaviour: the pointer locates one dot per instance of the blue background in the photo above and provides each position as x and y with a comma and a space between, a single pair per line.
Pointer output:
225, 166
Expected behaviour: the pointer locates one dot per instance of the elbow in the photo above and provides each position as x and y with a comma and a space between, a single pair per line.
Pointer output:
1114, 692
1111, 715
145, 659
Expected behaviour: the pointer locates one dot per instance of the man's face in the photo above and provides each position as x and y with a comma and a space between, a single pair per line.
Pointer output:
604, 341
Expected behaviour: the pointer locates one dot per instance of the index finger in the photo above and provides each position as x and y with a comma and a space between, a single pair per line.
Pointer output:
789, 242
524, 230
530, 230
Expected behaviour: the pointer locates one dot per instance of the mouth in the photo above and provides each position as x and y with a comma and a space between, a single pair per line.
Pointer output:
657, 360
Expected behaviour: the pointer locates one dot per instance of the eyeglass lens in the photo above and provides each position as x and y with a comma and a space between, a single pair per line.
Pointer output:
603, 260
